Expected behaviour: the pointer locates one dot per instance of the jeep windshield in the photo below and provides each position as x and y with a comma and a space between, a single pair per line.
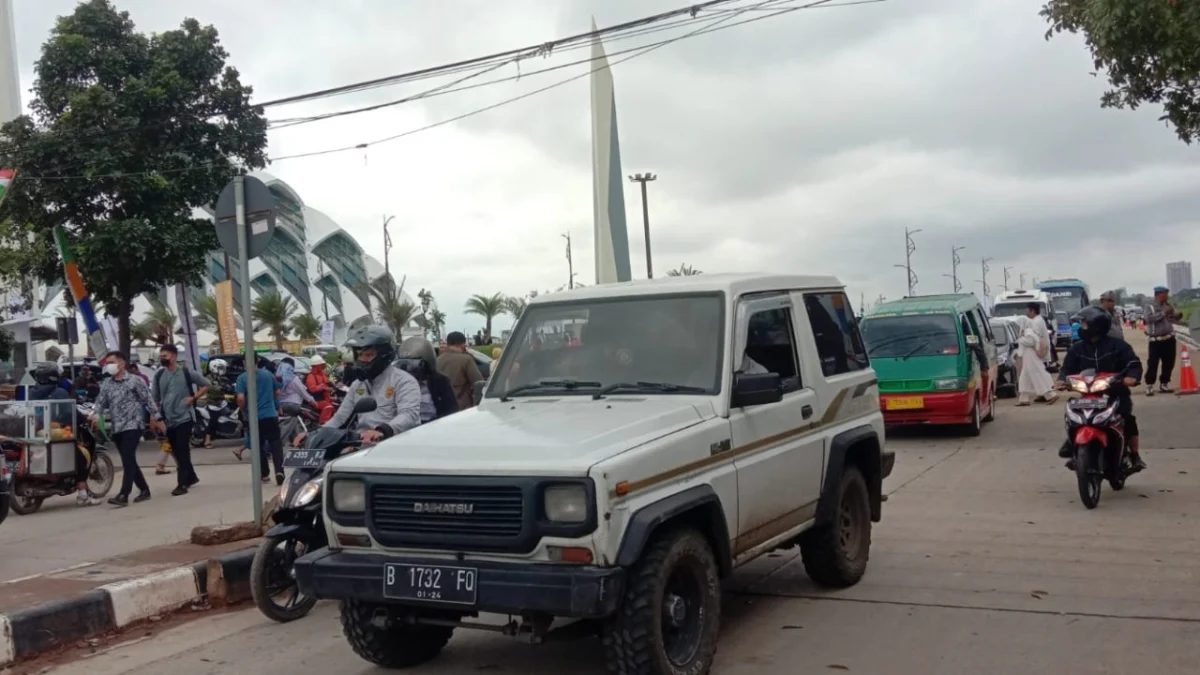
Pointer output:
909, 336
672, 344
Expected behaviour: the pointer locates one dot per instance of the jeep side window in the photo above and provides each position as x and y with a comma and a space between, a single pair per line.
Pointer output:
770, 346
839, 343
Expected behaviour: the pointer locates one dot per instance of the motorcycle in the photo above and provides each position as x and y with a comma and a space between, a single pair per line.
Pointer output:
34, 474
1097, 431
299, 527
229, 422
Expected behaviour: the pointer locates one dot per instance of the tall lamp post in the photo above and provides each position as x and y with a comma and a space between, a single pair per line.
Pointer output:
387, 246
644, 178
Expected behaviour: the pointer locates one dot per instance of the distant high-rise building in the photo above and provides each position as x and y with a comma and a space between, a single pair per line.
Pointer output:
1179, 276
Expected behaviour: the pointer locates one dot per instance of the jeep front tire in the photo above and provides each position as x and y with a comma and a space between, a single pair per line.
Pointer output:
670, 616
377, 635
835, 554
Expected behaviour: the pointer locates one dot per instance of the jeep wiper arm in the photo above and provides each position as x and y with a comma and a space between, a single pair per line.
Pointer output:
648, 386
548, 384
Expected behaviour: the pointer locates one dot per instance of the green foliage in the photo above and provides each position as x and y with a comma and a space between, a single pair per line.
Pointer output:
275, 312
128, 134
487, 306
684, 270
391, 308
6, 344
306, 327
1150, 50
206, 312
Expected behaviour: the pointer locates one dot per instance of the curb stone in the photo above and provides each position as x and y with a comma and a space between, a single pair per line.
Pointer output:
28, 632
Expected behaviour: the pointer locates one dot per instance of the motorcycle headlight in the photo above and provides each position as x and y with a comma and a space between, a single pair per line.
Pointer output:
349, 496
950, 383
307, 493
565, 503
1079, 386
1101, 385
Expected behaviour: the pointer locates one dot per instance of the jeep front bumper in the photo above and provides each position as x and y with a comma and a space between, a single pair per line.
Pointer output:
573, 591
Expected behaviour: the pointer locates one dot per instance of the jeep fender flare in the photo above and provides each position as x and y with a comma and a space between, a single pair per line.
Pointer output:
839, 449
701, 501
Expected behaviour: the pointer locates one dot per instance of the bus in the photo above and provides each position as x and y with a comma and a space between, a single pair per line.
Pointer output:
1069, 296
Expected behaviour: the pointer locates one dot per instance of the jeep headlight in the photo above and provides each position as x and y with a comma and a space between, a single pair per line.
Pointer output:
565, 503
349, 496
950, 383
307, 493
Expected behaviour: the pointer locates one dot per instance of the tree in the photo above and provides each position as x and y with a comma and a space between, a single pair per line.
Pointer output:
128, 134
306, 327
160, 323
515, 306
275, 312
391, 307
206, 312
684, 270
437, 322
1150, 50
142, 332
489, 307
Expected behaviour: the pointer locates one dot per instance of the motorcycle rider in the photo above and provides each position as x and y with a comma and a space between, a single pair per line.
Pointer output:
218, 389
373, 374
417, 358
318, 383
47, 377
1098, 350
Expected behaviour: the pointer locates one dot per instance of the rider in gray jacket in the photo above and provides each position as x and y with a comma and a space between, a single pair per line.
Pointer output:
396, 392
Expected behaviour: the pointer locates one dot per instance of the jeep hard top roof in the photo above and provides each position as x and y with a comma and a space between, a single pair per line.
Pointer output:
949, 303
733, 284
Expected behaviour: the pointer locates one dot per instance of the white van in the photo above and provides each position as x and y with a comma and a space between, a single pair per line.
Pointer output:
1015, 303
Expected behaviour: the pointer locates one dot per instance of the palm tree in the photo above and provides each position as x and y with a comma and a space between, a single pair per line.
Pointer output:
306, 327
141, 332
160, 322
515, 306
274, 311
206, 312
390, 305
684, 270
489, 307
437, 322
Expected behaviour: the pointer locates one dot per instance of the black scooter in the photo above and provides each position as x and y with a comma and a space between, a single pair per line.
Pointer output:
299, 527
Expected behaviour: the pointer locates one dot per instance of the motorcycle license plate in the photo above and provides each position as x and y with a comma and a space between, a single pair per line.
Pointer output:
430, 583
304, 458
1088, 404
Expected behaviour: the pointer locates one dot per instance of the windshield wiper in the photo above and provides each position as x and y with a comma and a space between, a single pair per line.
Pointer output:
548, 384
648, 386
916, 349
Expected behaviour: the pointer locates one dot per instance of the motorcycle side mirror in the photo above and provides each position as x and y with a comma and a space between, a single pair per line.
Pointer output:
365, 404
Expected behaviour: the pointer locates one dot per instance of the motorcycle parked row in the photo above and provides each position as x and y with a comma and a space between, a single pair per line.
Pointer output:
299, 527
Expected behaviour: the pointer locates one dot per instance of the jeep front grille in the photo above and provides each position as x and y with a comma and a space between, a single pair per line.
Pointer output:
446, 514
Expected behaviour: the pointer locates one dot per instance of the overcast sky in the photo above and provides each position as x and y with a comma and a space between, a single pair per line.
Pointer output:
803, 143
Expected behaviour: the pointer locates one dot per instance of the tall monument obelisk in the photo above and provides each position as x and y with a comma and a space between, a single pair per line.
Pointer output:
10, 89
608, 188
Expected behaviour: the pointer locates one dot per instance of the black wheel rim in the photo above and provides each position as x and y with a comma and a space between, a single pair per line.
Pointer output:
280, 580
683, 612
849, 521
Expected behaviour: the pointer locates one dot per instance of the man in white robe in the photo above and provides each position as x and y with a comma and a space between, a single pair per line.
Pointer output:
1034, 344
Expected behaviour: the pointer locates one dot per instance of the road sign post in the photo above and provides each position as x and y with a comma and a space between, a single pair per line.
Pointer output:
245, 224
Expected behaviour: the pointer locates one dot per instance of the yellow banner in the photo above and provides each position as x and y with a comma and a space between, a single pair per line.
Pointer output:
226, 317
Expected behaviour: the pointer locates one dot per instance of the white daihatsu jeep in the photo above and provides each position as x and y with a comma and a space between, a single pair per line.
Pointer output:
636, 443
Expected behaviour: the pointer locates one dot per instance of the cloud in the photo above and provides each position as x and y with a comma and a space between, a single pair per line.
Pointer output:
800, 143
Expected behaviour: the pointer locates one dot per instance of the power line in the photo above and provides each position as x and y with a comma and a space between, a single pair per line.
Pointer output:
711, 26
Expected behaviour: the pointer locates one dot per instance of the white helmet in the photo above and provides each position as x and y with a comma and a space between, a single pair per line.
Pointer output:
218, 366
316, 361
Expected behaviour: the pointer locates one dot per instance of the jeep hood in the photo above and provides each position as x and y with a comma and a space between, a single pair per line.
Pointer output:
530, 437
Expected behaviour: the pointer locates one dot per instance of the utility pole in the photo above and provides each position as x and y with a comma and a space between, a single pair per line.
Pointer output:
1006, 269
954, 261
644, 178
387, 246
1022, 284
987, 291
909, 248
570, 263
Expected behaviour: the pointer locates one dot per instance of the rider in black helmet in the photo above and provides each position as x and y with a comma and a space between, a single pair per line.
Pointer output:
1098, 350
417, 358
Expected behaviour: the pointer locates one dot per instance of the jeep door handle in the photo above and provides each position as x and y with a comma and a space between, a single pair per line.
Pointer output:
806, 411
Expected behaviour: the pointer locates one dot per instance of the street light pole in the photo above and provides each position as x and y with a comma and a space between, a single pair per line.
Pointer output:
570, 263
909, 248
954, 261
387, 246
1006, 269
644, 178
987, 291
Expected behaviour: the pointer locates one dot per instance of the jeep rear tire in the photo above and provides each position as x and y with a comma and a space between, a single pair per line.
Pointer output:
376, 634
835, 554
670, 616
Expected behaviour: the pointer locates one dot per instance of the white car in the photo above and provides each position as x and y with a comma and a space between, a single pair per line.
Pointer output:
635, 444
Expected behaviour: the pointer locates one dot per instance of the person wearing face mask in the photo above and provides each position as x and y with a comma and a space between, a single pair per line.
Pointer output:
416, 358
124, 399
176, 389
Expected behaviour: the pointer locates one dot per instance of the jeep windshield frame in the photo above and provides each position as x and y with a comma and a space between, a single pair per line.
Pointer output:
671, 338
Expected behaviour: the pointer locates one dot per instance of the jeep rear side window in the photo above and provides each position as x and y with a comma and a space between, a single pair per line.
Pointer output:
839, 343
769, 344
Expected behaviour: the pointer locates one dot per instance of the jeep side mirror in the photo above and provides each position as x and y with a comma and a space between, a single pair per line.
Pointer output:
365, 404
756, 389
477, 391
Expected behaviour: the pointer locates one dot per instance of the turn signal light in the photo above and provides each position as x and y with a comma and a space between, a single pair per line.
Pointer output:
357, 540
581, 556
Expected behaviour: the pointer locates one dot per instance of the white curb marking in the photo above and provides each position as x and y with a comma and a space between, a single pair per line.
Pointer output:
8, 649
142, 598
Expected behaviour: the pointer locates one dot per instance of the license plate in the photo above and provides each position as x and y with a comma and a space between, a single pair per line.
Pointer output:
303, 458
1088, 404
906, 403
430, 583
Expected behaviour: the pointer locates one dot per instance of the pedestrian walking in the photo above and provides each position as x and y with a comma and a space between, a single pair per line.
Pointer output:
267, 410
455, 363
125, 400
1034, 382
175, 390
1160, 331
